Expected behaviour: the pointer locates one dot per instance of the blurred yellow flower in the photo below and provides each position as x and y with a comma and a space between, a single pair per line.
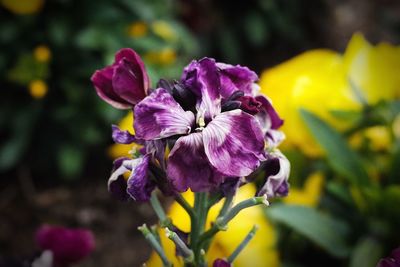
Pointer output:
120, 150
310, 194
42, 53
260, 252
166, 56
137, 29
22, 7
318, 81
164, 30
37, 88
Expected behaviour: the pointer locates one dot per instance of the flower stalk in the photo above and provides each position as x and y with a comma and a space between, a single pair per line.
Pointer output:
155, 244
243, 244
186, 252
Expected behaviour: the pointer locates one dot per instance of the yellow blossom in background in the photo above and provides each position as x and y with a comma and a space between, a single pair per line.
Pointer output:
166, 56
260, 252
137, 29
164, 30
309, 195
37, 88
22, 7
42, 53
120, 150
374, 69
318, 81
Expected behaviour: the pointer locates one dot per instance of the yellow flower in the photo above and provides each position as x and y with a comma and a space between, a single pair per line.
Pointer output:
166, 56
42, 53
318, 81
260, 251
120, 150
23, 7
137, 29
164, 30
37, 88
310, 194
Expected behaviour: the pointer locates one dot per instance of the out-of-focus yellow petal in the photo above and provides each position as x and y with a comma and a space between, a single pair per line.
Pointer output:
38, 89
137, 29
120, 150
164, 30
23, 7
309, 195
374, 69
165, 56
260, 251
42, 53
314, 81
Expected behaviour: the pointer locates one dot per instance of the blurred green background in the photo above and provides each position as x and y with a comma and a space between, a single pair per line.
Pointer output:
55, 133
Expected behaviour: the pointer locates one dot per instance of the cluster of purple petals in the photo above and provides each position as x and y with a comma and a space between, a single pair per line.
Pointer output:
392, 261
68, 246
215, 125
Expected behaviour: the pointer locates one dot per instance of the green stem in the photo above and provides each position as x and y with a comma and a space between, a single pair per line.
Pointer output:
227, 205
185, 205
186, 252
197, 226
222, 222
155, 244
243, 244
155, 203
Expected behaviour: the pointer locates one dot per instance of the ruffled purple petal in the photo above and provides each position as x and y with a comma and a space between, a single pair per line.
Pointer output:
395, 254
188, 165
235, 78
140, 185
221, 263
234, 143
274, 138
69, 246
277, 171
388, 262
268, 117
160, 116
203, 79
117, 184
122, 137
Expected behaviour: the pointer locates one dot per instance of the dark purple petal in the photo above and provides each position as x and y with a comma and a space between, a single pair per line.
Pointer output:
159, 116
188, 165
235, 78
221, 263
125, 82
269, 118
234, 143
203, 79
117, 184
396, 255
231, 185
249, 104
122, 137
277, 171
102, 81
387, 262
140, 185
68, 246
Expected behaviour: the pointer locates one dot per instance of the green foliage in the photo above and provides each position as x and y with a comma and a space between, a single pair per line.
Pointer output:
328, 232
339, 155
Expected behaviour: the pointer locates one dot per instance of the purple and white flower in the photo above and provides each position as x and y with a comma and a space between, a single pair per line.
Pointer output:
215, 125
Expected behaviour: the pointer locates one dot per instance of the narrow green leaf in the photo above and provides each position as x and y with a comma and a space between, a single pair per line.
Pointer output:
325, 231
366, 253
339, 155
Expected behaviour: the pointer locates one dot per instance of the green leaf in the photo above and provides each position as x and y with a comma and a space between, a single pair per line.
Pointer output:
70, 161
325, 231
339, 155
366, 253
